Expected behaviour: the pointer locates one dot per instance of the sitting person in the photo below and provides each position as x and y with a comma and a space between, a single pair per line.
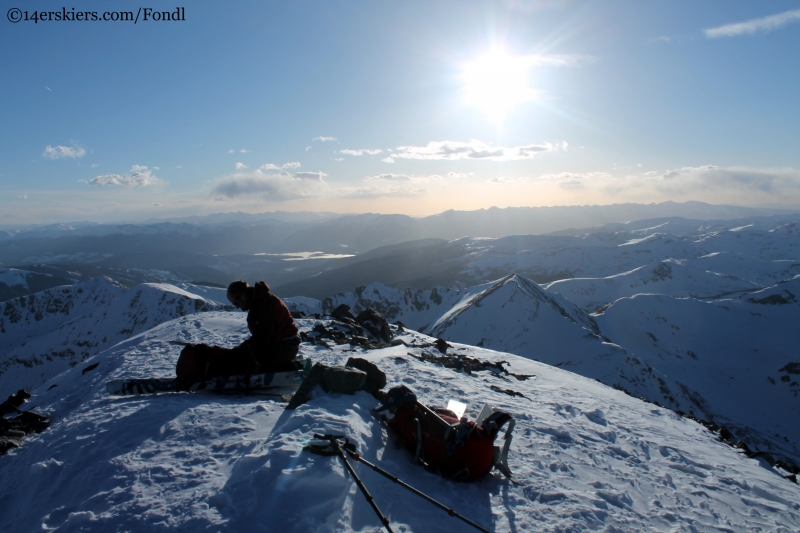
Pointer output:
272, 346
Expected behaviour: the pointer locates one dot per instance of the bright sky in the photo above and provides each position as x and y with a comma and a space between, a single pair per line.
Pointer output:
407, 106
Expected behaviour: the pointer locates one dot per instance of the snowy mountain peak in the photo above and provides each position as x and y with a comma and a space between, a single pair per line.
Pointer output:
504, 292
47, 332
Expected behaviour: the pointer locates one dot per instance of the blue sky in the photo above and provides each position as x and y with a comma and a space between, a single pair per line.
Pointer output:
397, 107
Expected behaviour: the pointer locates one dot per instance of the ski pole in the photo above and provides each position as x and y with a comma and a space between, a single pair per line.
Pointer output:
397, 480
337, 447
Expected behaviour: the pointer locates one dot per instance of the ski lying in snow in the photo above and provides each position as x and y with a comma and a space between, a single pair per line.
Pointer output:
277, 383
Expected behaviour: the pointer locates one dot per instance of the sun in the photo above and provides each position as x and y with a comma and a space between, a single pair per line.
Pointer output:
496, 82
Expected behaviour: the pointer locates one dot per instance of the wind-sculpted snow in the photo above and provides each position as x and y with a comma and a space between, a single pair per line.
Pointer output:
586, 457
733, 356
43, 334
671, 276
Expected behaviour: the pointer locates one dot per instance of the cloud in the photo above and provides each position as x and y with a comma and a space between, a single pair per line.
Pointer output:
475, 149
62, 152
308, 148
360, 152
404, 177
156, 205
231, 151
571, 185
387, 160
95, 165
23, 196
506, 179
396, 191
317, 176
324, 139
568, 178
710, 182
765, 24
278, 186
272, 166
240, 166
389, 177
456, 175
140, 177
573, 181
243, 151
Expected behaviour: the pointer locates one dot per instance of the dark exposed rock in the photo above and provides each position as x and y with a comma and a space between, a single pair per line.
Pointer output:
508, 391
442, 345
375, 323
13, 430
784, 297
343, 311
11, 405
791, 368
468, 364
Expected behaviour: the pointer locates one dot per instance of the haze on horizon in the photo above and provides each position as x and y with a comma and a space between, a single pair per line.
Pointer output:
412, 108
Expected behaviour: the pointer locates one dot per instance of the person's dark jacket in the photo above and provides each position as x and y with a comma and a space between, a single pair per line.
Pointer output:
269, 320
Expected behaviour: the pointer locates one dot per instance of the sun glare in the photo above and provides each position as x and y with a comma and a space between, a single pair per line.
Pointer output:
497, 82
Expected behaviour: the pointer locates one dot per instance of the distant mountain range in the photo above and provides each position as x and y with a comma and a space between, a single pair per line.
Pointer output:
221, 247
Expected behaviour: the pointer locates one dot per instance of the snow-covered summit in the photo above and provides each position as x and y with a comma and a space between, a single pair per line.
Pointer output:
586, 457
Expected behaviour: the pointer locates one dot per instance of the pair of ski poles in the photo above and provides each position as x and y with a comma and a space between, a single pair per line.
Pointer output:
339, 449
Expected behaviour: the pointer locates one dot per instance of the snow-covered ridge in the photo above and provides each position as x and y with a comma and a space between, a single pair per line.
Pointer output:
43, 334
586, 457
668, 347
671, 276
767, 250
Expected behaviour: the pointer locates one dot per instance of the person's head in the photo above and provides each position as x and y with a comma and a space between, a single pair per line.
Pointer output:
240, 294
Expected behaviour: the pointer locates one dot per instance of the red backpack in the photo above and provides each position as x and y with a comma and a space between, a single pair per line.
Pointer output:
458, 449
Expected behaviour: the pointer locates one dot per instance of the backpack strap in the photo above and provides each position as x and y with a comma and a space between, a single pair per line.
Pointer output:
492, 424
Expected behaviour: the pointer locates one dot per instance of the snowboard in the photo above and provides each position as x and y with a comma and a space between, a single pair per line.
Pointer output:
277, 383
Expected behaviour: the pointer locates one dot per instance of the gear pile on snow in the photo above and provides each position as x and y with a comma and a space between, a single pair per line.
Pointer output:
460, 449
357, 374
